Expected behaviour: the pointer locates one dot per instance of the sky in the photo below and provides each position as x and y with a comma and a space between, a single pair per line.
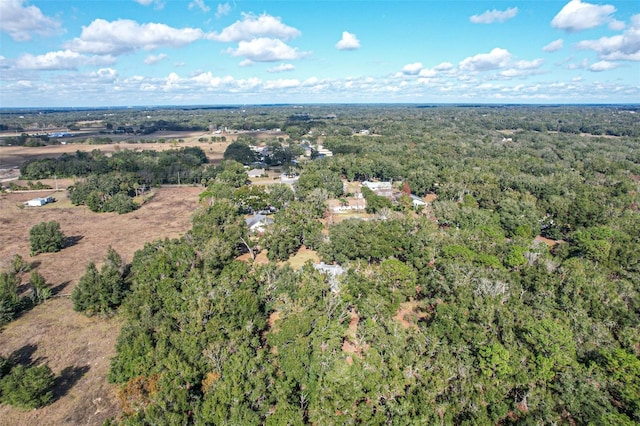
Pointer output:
71, 53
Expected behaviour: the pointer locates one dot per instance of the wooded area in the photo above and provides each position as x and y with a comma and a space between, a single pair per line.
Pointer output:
513, 298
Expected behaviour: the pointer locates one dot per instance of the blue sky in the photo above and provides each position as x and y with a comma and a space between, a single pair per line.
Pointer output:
164, 52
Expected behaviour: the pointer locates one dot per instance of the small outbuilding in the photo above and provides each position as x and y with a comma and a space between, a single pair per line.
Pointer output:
39, 202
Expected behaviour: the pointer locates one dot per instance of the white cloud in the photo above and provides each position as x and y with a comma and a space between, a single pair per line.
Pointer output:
412, 69
159, 4
154, 59
491, 16
616, 25
603, 66
281, 84
578, 16
554, 46
444, 66
265, 50
625, 46
253, 26
282, 68
21, 21
104, 74
579, 65
199, 4
124, 36
522, 69
497, 58
529, 65
61, 60
223, 9
348, 41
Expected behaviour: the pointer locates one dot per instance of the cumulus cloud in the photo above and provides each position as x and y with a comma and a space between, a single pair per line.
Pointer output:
497, 58
154, 59
348, 41
622, 47
522, 69
554, 46
223, 9
265, 50
61, 60
21, 21
412, 69
159, 4
578, 65
603, 66
529, 65
104, 74
491, 16
125, 36
578, 16
252, 26
199, 4
282, 68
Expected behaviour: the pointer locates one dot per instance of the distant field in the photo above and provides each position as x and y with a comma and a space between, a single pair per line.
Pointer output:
53, 333
12, 157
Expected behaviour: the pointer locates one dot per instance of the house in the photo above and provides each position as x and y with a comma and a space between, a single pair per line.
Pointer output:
417, 201
347, 205
384, 189
39, 202
256, 173
332, 272
258, 222
323, 152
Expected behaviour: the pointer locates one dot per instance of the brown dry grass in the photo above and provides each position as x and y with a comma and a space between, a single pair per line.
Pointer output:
12, 157
53, 332
303, 255
408, 314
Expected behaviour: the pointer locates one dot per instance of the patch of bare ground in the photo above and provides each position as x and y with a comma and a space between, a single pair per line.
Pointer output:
260, 259
408, 314
549, 242
350, 343
77, 348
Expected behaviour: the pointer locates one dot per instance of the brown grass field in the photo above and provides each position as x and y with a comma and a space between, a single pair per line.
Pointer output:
11, 157
77, 348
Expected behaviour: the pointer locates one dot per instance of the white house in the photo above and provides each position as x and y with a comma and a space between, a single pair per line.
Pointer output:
332, 272
39, 202
257, 223
417, 201
256, 173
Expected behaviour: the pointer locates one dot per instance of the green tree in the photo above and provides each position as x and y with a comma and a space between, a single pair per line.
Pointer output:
240, 152
280, 195
28, 387
101, 292
9, 298
39, 288
46, 237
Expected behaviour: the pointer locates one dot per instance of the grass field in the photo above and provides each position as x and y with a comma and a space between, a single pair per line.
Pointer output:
77, 348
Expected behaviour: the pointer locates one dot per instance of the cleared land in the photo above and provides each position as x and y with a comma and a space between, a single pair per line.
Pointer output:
77, 348
12, 157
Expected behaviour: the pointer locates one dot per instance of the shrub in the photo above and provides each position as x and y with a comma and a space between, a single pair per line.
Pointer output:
46, 237
101, 292
28, 387
9, 299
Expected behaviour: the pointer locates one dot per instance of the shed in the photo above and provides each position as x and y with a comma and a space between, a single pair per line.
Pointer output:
39, 202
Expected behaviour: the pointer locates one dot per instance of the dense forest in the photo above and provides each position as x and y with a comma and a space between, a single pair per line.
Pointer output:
456, 314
